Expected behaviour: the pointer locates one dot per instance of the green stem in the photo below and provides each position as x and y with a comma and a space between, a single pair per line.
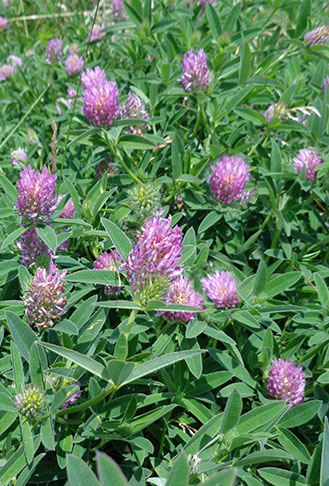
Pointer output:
130, 322
89, 403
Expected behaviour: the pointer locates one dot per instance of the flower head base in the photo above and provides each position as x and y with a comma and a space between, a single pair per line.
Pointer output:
73, 64
318, 36
100, 98
97, 33
310, 160
229, 178
152, 264
119, 12
144, 200
45, 300
35, 253
18, 157
181, 292
3, 22
31, 403
277, 110
286, 382
195, 71
54, 51
221, 289
134, 107
109, 261
74, 397
36, 200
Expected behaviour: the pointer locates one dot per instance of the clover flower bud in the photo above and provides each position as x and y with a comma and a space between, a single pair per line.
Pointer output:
318, 36
31, 403
221, 289
144, 200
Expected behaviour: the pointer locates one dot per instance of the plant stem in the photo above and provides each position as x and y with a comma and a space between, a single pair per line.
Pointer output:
89, 403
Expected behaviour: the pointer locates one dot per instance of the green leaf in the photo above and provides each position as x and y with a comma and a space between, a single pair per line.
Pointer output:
119, 304
67, 327
85, 362
300, 414
214, 22
79, 473
261, 278
223, 478
17, 367
179, 473
177, 154
194, 363
259, 416
295, 447
209, 220
8, 187
62, 395
7, 404
136, 142
303, 14
15, 464
47, 434
276, 159
28, 470
119, 371
204, 435
251, 115
245, 62
101, 277
232, 18
12, 237
146, 419
265, 455
118, 238
232, 411
195, 328
73, 192
133, 14
27, 438
322, 290
108, 471
48, 235
278, 284
324, 472
247, 244
22, 334
281, 477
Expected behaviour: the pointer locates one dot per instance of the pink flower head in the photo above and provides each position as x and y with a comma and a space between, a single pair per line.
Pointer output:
18, 157
14, 60
7, 71
68, 102
221, 289
152, 264
119, 12
109, 261
319, 36
69, 210
74, 397
54, 51
97, 33
45, 300
181, 292
73, 64
36, 200
310, 160
195, 71
3, 22
286, 382
33, 250
134, 107
100, 98
229, 178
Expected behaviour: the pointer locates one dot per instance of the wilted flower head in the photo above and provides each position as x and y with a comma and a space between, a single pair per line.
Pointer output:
229, 178
31, 402
100, 98
33, 250
97, 33
119, 12
45, 299
109, 261
73, 64
181, 292
152, 264
318, 36
36, 195
144, 200
286, 382
3, 22
74, 397
54, 51
105, 165
195, 71
7, 71
310, 160
221, 289
18, 157
277, 110
134, 107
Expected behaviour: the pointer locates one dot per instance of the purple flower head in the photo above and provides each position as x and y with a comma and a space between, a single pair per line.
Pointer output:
74, 397
54, 51
195, 71
7, 71
3, 22
31, 402
5, 3
310, 160
317, 36
152, 264
18, 157
181, 292
97, 33
134, 107
277, 110
14, 60
45, 300
69, 210
100, 98
73, 64
33, 250
109, 261
221, 289
119, 12
229, 178
286, 382
36, 200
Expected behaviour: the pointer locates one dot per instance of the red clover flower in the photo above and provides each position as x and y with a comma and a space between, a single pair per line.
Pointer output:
286, 382
97, 33
73, 64
195, 71
319, 36
134, 107
33, 250
310, 160
3, 22
181, 292
119, 12
221, 289
229, 178
18, 157
276, 110
54, 51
